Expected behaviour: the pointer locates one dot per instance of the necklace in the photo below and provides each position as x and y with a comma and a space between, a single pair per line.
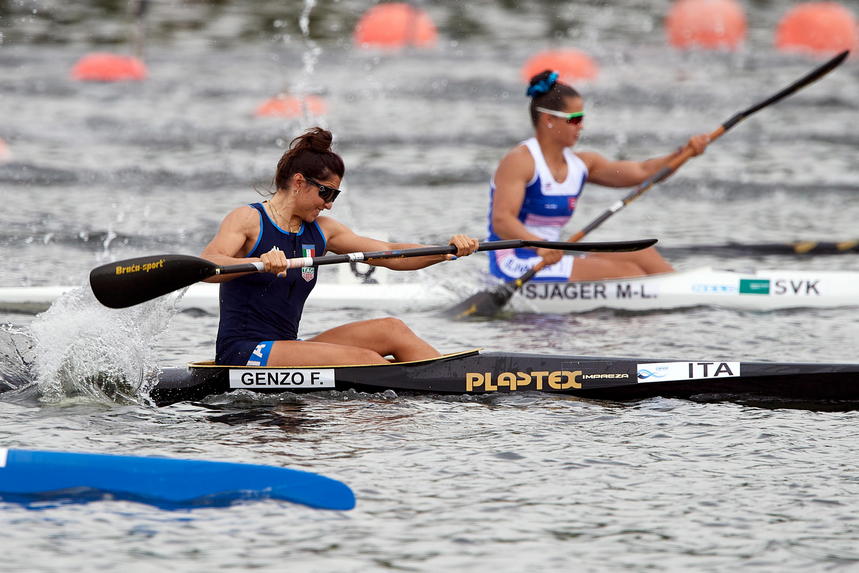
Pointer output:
278, 219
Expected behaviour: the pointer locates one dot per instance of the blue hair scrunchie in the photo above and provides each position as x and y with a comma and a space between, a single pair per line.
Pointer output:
543, 86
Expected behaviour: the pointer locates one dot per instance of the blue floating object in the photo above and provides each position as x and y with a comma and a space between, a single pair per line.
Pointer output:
32, 475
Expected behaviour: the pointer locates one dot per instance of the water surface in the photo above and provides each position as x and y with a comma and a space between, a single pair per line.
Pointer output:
107, 171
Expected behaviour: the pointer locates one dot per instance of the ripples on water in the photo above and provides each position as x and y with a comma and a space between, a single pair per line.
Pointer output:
102, 172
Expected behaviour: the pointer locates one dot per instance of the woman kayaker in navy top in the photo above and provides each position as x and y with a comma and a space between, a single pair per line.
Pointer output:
537, 185
260, 312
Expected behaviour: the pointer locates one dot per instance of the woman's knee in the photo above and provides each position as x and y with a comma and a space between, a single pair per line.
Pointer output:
394, 326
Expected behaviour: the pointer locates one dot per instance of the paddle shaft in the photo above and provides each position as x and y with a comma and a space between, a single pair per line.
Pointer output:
298, 262
442, 250
686, 153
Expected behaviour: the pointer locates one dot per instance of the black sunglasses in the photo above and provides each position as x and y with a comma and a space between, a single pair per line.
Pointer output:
328, 194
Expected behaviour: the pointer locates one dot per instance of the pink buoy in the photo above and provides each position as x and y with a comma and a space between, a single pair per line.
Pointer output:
571, 65
817, 27
5, 154
709, 24
395, 25
104, 67
286, 105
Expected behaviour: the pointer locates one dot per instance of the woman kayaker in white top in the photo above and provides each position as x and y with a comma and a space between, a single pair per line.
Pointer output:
537, 184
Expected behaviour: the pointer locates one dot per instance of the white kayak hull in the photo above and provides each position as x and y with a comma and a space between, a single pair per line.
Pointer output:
391, 297
758, 291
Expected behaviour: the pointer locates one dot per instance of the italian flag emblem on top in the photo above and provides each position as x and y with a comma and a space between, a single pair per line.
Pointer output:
307, 273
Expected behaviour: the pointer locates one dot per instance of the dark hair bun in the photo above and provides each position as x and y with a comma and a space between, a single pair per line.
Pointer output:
310, 154
314, 139
542, 83
540, 77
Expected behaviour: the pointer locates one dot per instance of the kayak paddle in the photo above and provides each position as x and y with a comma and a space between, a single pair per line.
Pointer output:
131, 281
488, 303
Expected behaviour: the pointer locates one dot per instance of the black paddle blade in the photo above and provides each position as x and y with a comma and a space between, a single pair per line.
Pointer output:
489, 302
599, 247
807, 79
482, 304
125, 283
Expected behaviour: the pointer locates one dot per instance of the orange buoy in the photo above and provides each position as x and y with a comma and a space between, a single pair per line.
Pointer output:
5, 154
103, 67
285, 105
395, 25
710, 24
571, 65
817, 27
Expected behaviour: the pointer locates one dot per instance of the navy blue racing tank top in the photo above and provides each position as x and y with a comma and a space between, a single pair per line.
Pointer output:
260, 306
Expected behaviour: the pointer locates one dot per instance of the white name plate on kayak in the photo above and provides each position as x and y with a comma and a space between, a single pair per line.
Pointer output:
674, 371
282, 378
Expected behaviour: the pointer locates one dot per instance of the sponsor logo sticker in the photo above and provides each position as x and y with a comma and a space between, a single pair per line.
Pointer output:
713, 289
135, 268
754, 286
606, 376
492, 382
672, 371
301, 378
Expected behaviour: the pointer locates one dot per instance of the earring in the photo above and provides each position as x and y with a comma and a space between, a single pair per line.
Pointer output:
549, 124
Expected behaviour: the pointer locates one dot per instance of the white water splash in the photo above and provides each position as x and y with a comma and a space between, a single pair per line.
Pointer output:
16, 357
85, 351
311, 56
309, 59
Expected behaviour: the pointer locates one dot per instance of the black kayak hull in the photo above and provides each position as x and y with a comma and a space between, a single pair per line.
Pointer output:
475, 373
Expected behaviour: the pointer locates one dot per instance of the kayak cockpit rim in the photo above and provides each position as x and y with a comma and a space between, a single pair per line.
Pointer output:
203, 364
